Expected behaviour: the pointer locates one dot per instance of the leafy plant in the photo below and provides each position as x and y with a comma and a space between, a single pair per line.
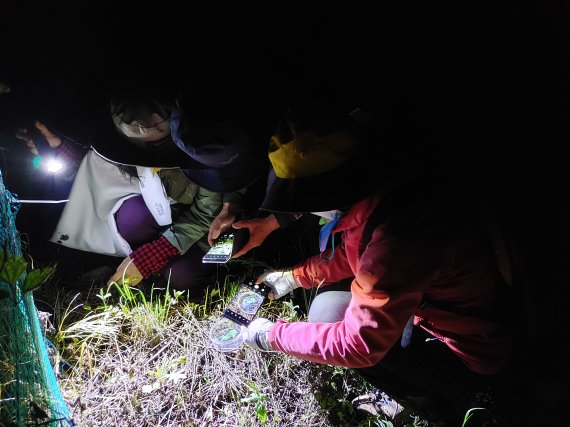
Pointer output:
259, 399
12, 268
477, 416
36, 277
290, 312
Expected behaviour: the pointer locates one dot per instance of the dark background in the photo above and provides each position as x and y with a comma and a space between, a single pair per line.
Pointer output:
479, 89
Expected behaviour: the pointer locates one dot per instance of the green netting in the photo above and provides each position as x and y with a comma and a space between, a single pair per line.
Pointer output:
29, 393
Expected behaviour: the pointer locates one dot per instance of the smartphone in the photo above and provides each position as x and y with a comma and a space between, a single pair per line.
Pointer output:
221, 250
225, 246
245, 304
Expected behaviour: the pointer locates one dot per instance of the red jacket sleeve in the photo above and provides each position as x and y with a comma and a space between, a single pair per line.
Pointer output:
375, 318
319, 271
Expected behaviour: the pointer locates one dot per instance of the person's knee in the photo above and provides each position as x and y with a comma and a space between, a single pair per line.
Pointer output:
329, 307
135, 223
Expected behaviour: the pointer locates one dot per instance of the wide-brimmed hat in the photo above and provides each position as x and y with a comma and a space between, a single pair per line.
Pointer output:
322, 159
219, 153
135, 130
229, 149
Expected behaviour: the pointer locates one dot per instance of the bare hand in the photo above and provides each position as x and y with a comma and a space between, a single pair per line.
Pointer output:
222, 222
259, 229
127, 273
53, 140
24, 134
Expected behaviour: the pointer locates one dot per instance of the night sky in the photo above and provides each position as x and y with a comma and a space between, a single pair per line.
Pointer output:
482, 86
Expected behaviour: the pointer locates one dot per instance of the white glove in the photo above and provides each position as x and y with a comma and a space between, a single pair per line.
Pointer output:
258, 334
280, 282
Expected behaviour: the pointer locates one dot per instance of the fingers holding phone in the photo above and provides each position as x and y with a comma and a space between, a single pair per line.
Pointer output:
221, 250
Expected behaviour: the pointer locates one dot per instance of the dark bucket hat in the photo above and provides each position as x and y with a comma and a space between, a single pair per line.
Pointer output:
135, 130
322, 159
229, 151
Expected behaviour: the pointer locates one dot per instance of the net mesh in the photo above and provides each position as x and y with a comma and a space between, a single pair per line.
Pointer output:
29, 392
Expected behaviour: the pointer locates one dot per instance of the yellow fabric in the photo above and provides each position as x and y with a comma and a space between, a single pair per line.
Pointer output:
308, 154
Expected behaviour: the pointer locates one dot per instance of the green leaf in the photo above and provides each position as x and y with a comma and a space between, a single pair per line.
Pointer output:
262, 414
12, 269
35, 278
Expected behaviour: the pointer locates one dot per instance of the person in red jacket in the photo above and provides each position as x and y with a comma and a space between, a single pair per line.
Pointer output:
423, 316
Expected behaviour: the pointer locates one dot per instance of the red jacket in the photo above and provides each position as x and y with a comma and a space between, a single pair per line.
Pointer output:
448, 261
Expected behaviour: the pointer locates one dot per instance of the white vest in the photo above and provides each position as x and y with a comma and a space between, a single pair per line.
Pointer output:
99, 189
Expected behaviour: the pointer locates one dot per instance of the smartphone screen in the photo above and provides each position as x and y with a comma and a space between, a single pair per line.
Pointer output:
246, 302
221, 251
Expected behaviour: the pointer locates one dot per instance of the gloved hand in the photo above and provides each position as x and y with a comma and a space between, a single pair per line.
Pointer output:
127, 273
280, 282
258, 334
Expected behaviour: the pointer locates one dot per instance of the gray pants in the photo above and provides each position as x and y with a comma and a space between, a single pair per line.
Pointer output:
329, 307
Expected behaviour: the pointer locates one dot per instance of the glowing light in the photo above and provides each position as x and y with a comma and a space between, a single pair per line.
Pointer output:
37, 162
54, 166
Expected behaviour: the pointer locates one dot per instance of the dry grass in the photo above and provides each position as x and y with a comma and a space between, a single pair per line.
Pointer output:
142, 362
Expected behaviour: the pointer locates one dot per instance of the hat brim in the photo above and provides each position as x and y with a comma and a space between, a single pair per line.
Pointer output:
339, 188
108, 143
233, 177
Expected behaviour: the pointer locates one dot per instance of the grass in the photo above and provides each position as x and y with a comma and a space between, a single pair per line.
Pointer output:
142, 357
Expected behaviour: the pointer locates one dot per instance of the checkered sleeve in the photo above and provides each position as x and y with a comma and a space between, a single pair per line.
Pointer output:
151, 257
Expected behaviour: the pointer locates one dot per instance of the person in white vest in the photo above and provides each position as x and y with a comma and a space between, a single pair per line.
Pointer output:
155, 217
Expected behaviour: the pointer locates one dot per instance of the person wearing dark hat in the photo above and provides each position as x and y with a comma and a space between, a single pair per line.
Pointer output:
224, 133
224, 136
225, 130
423, 316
